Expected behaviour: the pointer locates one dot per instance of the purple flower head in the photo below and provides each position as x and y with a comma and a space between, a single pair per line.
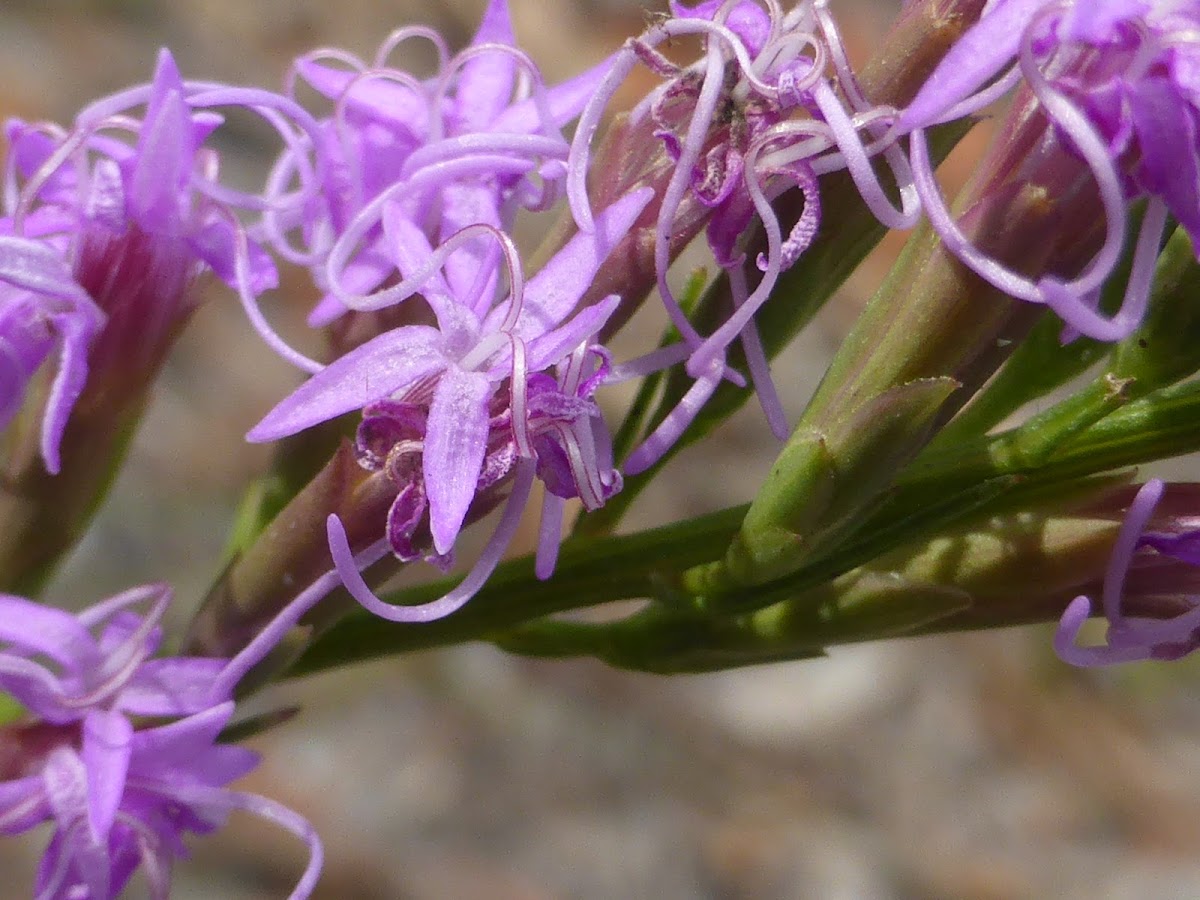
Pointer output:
134, 202
564, 432
764, 110
453, 409
43, 312
120, 796
1150, 566
571, 453
454, 369
470, 145
1117, 80
60, 665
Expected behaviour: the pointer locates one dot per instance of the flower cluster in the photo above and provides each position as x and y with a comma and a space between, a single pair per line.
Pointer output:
468, 376
467, 147
120, 793
413, 223
401, 202
107, 226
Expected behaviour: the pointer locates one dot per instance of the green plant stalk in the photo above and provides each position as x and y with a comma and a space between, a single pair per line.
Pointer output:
649, 564
289, 554
1042, 363
1015, 567
10, 710
43, 516
589, 573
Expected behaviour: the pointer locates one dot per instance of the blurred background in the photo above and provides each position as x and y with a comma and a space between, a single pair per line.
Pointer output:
973, 766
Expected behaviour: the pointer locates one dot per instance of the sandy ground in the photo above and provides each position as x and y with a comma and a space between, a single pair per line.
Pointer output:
974, 767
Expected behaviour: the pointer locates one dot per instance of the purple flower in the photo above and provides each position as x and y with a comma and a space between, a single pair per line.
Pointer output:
758, 114
1117, 81
565, 434
392, 439
469, 146
43, 312
121, 796
455, 367
136, 206
112, 670
454, 409
1154, 559
572, 455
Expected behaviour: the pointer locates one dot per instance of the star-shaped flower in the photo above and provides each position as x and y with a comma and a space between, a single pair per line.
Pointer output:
120, 795
112, 669
457, 366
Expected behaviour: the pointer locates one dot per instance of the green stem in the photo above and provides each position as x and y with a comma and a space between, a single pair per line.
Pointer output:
589, 573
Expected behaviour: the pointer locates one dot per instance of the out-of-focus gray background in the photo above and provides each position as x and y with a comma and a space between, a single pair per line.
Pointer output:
973, 767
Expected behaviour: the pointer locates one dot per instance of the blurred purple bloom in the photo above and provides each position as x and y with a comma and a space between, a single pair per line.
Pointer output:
140, 196
1118, 81
112, 670
43, 312
121, 796
107, 226
468, 146
1131, 638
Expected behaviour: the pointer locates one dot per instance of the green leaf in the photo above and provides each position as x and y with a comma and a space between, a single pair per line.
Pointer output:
941, 494
819, 484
